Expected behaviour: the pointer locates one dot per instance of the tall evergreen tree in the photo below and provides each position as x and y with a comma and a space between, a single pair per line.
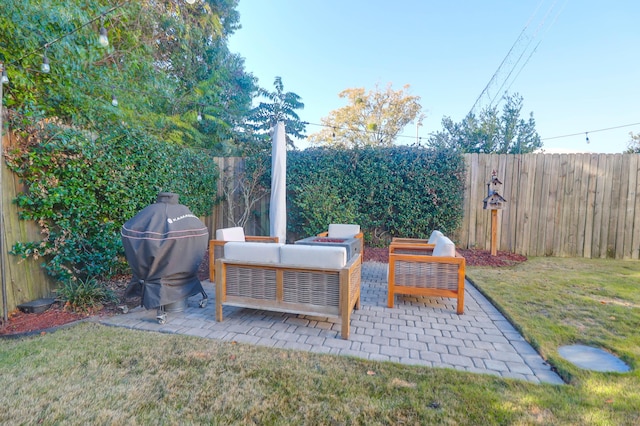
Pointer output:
490, 132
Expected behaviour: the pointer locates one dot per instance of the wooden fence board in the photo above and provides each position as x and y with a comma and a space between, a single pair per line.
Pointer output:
464, 231
635, 244
592, 174
473, 191
552, 221
609, 207
581, 184
525, 187
567, 228
599, 209
631, 212
511, 195
619, 196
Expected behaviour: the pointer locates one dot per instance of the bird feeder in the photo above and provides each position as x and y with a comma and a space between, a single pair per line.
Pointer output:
494, 202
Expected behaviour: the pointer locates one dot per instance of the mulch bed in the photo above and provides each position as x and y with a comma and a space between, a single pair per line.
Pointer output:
21, 323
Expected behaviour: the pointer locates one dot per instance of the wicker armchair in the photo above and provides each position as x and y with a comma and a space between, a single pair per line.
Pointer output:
340, 230
422, 270
225, 235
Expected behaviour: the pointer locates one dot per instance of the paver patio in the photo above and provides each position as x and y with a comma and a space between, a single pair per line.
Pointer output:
417, 331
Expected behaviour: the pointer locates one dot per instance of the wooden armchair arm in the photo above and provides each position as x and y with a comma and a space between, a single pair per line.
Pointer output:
416, 249
426, 258
400, 240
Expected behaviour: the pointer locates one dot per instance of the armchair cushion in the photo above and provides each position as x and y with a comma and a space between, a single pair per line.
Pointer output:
434, 237
338, 230
444, 248
253, 252
230, 234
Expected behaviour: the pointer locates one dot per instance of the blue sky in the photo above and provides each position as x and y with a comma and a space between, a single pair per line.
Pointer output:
575, 62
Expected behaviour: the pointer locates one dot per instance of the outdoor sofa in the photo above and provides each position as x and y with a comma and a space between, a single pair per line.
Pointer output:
293, 278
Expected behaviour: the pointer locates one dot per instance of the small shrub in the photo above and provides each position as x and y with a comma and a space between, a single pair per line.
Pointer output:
85, 295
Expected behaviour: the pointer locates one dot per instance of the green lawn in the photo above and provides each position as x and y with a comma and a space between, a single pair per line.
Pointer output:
92, 374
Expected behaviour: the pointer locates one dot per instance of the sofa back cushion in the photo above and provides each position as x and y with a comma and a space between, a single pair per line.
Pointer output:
434, 236
253, 252
339, 230
444, 247
230, 234
313, 256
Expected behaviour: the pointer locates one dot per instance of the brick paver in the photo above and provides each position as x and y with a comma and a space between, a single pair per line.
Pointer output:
422, 331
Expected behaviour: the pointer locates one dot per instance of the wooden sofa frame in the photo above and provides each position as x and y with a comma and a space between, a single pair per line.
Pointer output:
414, 270
330, 292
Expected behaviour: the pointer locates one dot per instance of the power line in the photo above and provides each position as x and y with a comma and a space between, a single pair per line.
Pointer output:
521, 45
543, 139
592, 131
357, 131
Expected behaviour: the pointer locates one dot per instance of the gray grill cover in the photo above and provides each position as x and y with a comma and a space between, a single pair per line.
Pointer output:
164, 244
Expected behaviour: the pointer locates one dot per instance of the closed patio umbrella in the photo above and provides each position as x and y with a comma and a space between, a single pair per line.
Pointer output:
278, 202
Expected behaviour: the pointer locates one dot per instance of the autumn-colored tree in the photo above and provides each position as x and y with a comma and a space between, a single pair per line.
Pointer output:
371, 119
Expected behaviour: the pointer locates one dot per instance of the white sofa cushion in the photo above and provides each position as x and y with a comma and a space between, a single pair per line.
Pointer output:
230, 234
444, 248
313, 256
339, 230
253, 252
434, 237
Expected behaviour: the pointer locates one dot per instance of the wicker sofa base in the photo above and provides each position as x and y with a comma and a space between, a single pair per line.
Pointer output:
292, 289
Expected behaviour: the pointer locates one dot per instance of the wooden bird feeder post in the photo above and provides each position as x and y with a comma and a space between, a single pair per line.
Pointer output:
494, 201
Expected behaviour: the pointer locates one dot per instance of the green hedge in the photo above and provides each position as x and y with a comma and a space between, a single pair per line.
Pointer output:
82, 190
398, 191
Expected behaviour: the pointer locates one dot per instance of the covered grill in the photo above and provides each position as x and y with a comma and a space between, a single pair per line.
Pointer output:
164, 244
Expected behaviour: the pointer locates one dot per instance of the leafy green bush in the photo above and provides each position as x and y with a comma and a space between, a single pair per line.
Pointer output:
81, 190
398, 191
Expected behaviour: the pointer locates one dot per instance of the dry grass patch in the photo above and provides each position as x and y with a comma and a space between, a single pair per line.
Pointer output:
90, 374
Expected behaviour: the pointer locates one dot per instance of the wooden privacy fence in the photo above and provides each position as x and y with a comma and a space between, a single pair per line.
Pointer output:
25, 280
568, 205
574, 205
